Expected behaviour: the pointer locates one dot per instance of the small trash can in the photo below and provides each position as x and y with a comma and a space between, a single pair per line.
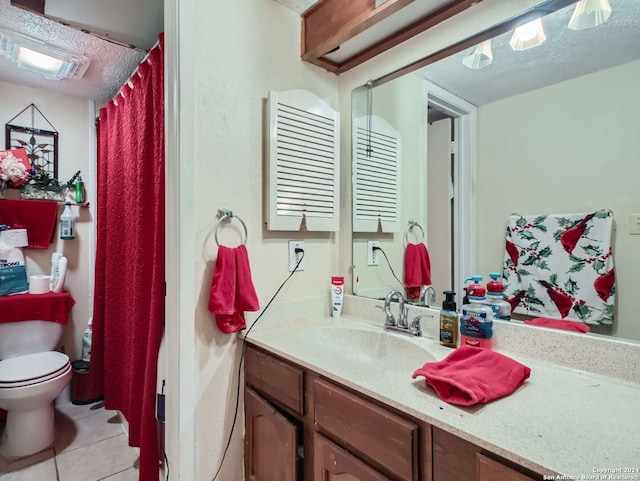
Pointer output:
81, 390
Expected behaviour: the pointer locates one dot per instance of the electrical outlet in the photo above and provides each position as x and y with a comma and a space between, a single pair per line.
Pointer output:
372, 254
634, 224
294, 257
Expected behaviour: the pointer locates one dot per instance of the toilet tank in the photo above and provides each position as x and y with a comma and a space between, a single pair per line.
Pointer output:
28, 337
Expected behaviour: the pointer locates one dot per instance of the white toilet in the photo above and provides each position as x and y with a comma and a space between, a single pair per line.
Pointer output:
32, 375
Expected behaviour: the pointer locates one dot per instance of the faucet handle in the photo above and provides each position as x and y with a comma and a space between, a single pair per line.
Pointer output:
415, 324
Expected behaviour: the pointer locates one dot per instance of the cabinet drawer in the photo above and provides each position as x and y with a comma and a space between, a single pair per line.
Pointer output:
383, 438
275, 378
492, 470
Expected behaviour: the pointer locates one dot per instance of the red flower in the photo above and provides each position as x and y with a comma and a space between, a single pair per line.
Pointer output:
571, 236
604, 284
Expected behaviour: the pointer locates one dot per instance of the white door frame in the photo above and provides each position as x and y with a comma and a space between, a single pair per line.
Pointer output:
464, 113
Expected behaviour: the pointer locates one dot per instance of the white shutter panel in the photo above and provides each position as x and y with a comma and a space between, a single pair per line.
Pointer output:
304, 176
376, 176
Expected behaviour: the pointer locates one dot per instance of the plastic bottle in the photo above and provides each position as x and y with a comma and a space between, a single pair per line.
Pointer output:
79, 190
476, 320
86, 342
67, 223
53, 271
495, 298
61, 275
449, 321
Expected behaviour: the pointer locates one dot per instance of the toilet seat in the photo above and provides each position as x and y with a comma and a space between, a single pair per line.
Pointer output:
32, 369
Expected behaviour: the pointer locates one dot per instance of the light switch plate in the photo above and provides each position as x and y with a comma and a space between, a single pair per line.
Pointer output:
634, 224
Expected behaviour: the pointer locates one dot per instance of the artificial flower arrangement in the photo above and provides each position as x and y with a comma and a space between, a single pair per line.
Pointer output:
42, 186
13, 171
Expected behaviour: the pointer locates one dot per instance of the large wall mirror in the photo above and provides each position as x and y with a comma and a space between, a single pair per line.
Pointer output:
551, 129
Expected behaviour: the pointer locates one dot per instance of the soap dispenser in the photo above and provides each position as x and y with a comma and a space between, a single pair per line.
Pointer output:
495, 298
449, 321
476, 320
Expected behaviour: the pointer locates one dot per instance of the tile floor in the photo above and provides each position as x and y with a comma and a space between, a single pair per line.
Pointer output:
90, 445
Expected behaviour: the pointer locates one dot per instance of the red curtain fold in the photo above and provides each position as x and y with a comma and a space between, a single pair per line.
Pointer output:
128, 317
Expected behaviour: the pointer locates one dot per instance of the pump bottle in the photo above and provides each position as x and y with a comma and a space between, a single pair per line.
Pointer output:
476, 320
67, 223
495, 298
449, 321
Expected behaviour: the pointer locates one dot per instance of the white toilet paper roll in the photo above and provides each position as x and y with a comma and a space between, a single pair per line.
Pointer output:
39, 284
13, 238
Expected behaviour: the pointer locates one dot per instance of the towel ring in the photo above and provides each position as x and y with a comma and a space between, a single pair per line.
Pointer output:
226, 216
412, 224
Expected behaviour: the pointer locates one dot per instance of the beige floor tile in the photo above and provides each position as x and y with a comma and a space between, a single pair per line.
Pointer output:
96, 461
40, 467
79, 411
76, 433
130, 474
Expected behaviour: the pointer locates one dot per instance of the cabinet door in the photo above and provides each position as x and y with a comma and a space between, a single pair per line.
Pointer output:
492, 470
332, 463
270, 442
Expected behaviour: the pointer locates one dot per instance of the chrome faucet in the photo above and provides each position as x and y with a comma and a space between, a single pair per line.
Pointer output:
402, 325
423, 295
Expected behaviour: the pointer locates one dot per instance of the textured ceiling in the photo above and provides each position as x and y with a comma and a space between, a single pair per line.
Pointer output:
566, 54
111, 64
298, 6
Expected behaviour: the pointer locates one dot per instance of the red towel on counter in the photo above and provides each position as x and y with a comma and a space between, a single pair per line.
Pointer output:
232, 292
471, 375
417, 269
574, 326
53, 306
39, 217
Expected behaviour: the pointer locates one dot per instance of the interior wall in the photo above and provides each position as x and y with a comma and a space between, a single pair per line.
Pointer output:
568, 148
243, 49
72, 118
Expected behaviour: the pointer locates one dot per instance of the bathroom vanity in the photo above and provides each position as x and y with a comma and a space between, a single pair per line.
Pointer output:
333, 413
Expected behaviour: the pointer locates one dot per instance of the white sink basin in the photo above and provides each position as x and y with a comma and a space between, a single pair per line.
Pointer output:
352, 348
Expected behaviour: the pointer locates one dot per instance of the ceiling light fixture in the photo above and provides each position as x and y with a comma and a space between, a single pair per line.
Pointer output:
39, 57
528, 35
589, 13
479, 56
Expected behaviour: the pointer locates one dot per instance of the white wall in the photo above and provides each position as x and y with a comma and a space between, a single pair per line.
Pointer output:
570, 147
243, 50
72, 118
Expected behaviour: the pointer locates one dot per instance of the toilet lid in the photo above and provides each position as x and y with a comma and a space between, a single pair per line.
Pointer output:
17, 370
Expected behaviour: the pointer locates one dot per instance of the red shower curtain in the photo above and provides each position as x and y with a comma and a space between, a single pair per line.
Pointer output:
128, 316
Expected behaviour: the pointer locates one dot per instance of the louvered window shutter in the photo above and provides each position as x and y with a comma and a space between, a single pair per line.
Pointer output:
304, 151
376, 176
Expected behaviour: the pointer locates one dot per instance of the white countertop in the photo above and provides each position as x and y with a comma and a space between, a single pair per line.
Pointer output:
561, 421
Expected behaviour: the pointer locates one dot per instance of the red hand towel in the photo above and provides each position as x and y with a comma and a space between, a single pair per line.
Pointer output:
471, 375
232, 292
417, 269
39, 217
574, 326
53, 306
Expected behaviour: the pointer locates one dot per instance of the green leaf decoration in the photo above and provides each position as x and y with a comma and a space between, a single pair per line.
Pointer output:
553, 279
546, 252
598, 265
529, 261
540, 219
521, 222
557, 234
535, 301
525, 234
571, 286
541, 227
524, 272
593, 250
575, 258
564, 222
609, 310
530, 291
535, 245
576, 268
543, 266
582, 311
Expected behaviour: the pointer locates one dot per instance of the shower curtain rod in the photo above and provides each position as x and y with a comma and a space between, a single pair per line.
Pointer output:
128, 82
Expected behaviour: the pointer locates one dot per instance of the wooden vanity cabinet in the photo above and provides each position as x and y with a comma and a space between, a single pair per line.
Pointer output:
300, 426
